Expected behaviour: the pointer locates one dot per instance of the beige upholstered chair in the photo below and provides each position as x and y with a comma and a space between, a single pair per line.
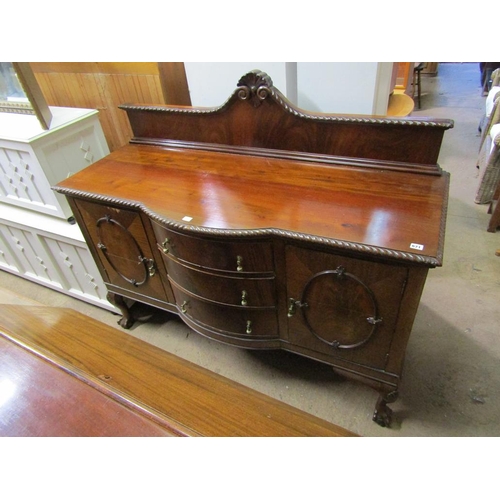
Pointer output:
489, 151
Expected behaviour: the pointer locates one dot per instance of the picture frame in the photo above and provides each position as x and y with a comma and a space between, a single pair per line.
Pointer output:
20, 92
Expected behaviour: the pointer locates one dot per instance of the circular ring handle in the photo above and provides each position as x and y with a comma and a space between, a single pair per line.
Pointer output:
147, 264
340, 274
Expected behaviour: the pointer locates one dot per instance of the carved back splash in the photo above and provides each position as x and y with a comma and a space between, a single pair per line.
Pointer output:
257, 117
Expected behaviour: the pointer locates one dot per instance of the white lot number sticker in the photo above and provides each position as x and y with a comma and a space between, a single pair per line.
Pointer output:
416, 246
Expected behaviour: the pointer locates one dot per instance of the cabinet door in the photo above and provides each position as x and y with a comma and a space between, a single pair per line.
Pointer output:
120, 242
341, 306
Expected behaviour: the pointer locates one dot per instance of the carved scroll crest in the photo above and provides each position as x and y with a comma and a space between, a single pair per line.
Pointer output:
255, 86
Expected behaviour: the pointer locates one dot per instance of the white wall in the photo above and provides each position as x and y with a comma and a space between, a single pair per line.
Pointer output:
211, 83
383, 88
328, 87
343, 87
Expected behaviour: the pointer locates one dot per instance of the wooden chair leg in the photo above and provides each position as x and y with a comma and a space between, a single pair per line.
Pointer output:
417, 83
419, 89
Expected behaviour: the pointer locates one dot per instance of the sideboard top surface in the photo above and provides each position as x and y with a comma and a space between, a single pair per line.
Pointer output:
257, 165
227, 193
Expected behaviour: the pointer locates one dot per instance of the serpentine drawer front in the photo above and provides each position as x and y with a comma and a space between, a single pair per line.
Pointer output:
224, 288
236, 257
237, 321
267, 227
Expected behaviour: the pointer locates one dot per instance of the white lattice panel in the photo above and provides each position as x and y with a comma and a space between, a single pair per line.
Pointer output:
50, 252
77, 269
8, 260
31, 256
22, 181
30, 164
36, 241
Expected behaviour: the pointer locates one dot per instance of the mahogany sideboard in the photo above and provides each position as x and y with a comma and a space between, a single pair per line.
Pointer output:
268, 227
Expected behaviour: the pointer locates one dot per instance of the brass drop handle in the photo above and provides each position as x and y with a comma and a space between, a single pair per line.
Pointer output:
150, 264
151, 267
164, 246
244, 297
239, 263
249, 327
184, 306
293, 305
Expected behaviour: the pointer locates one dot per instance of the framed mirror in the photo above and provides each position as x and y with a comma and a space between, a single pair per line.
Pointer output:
20, 92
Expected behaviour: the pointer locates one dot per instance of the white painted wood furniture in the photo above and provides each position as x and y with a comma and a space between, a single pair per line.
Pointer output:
38, 239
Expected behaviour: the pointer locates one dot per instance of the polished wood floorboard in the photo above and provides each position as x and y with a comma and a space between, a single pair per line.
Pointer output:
175, 393
39, 400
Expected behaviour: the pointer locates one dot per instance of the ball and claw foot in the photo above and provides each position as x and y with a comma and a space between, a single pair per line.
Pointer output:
126, 323
127, 320
383, 414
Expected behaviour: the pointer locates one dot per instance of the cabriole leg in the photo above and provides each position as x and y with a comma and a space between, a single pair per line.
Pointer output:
383, 414
126, 321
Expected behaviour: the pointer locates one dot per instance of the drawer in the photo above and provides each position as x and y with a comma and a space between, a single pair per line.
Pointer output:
242, 322
228, 289
230, 255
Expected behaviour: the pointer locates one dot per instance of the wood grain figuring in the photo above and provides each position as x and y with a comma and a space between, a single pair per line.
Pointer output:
345, 324
182, 397
104, 86
121, 68
124, 231
258, 115
274, 128
46, 402
236, 192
